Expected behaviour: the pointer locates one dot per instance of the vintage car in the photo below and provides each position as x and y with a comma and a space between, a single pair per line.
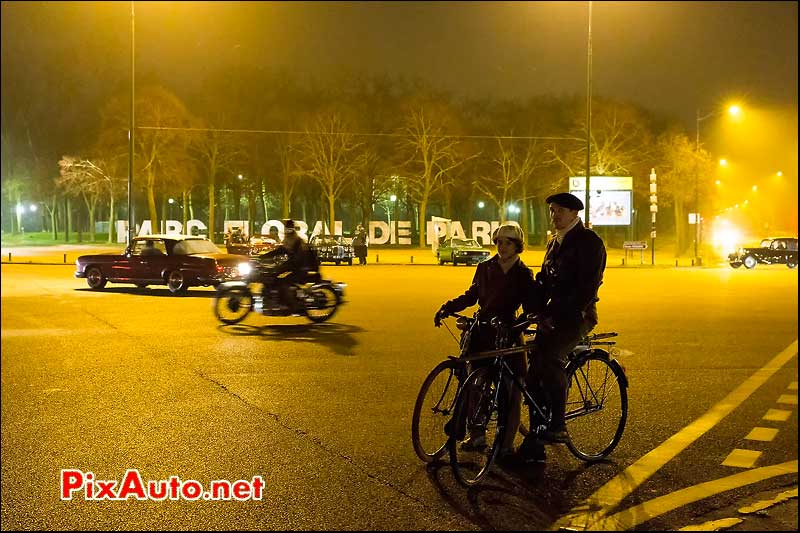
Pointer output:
332, 248
466, 251
260, 244
781, 251
177, 261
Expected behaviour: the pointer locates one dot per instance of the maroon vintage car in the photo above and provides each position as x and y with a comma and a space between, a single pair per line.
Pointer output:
177, 261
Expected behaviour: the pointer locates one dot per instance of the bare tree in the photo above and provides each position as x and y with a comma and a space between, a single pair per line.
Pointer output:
158, 146
682, 164
331, 157
215, 153
433, 154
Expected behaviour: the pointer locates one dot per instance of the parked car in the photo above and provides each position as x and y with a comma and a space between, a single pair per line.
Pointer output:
332, 248
177, 261
779, 251
260, 244
466, 251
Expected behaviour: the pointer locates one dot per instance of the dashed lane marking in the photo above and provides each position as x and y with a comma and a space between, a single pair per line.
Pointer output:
714, 525
596, 507
788, 399
762, 434
777, 415
741, 458
633, 516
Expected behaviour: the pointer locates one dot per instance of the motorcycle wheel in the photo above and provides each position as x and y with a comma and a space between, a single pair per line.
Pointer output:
322, 304
231, 305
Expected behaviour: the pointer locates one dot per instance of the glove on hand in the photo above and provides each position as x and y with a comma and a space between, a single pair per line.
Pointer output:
440, 314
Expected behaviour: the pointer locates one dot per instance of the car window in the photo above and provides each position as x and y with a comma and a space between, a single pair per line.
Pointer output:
765, 243
195, 246
791, 244
149, 247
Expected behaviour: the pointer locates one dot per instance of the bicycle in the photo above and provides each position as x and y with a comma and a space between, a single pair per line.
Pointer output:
436, 399
597, 402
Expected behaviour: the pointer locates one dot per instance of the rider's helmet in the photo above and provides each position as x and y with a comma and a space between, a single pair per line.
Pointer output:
511, 232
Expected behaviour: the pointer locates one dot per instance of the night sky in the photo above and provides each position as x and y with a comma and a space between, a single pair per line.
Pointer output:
669, 57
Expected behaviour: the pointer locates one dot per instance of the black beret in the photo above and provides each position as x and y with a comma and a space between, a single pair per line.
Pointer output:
565, 199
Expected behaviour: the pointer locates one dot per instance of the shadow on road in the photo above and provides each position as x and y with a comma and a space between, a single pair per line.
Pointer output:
147, 291
338, 337
531, 498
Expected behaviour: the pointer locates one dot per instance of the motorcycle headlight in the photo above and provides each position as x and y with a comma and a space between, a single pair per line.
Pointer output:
245, 269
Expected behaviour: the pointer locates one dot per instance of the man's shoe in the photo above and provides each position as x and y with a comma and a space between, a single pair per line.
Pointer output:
531, 451
474, 443
555, 436
448, 430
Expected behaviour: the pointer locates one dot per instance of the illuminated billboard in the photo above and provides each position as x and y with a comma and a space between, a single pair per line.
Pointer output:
610, 199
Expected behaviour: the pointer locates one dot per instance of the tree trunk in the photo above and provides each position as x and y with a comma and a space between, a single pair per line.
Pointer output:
423, 206
186, 197
211, 206
111, 218
331, 213
151, 201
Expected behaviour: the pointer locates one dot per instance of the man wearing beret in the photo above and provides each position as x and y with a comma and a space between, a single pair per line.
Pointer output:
571, 274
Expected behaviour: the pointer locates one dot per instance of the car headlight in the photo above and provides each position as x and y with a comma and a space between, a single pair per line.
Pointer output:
245, 269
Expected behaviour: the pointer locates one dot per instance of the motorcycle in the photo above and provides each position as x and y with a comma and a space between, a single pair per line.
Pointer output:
257, 290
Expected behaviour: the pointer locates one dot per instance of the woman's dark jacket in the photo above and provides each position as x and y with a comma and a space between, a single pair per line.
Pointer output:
499, 294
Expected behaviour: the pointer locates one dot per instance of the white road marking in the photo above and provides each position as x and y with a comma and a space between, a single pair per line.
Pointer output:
594, 509
777, 415
762, 434
741, 458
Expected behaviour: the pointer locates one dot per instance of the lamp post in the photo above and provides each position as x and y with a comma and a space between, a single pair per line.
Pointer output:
131, 226
588, 117
733, 110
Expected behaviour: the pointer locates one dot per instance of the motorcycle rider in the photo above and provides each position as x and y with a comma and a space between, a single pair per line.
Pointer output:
296, 268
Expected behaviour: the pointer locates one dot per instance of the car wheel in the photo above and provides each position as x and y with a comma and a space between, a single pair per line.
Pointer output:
439, 258
455, 263
750, 262
791, 264
350, 262
176, 282
142, 285
95, 278
736, 265
337, 262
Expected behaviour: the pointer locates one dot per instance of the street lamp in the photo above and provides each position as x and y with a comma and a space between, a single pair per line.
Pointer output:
588, 117
733, 110
131, 227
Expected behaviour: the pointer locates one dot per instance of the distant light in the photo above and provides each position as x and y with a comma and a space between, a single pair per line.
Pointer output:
780, 173
481, 204
33, 208
393, 198
755, 188
723, 162
240, 176
20, 209
171, 200
734, 110
718, 182
746, 201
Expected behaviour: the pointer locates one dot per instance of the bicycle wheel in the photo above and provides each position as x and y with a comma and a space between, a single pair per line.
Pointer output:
434, 408
597, 406
478, 412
